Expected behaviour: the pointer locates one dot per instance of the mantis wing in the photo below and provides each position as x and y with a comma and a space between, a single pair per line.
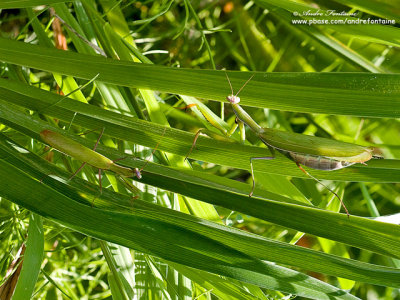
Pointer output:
317, 146
80, 152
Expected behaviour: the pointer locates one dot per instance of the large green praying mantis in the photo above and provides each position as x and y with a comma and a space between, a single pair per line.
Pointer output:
314, 152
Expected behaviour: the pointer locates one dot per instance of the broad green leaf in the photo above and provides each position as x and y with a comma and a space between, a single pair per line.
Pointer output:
175, 141
357, 94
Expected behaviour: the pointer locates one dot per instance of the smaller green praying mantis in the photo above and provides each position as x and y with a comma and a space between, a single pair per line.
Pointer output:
89, 156
314, 152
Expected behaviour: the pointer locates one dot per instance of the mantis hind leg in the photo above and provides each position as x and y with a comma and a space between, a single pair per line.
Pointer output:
101, 188
336, 195
252, 170
77, 171
194, 142
137, 171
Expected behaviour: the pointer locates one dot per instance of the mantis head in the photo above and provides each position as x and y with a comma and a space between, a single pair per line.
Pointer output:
234, 99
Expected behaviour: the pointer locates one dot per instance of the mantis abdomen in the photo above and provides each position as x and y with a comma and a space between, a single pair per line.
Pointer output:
317, 162
315, 152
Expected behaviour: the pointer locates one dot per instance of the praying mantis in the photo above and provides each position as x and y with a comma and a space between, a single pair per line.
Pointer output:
89, 156
314, 152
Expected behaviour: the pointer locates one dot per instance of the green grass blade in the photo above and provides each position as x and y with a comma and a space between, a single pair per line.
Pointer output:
384, 34
27, 3
174, 141
330, 93
32, 259
330, 42
379, 8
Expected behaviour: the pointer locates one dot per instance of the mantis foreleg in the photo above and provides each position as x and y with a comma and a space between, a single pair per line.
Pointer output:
242, 131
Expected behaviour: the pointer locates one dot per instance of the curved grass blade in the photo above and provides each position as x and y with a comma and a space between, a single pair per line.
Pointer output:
303, 92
